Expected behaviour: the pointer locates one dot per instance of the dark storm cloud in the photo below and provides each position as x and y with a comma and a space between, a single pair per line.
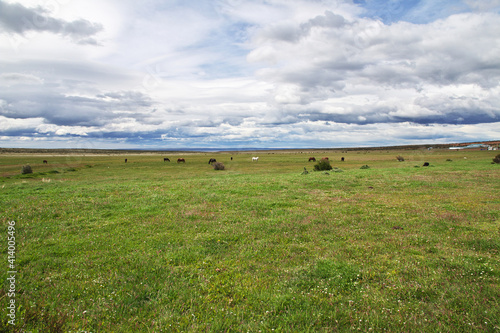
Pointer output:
65, 110
360, 118
27, 131
415, 135
458, 110
16, 18
457, 115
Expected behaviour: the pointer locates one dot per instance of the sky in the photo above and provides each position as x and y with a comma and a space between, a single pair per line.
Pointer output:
172, 74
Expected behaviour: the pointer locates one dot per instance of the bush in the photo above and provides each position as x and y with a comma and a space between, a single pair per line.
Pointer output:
218, 166
365, 167
323, 165
26, 169
400, 158
496, 159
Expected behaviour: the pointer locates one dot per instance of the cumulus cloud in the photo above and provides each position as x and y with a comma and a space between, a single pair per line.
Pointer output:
334, 54
16, 18
255, 73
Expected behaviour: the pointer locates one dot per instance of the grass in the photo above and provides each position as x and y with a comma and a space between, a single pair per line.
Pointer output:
147, 245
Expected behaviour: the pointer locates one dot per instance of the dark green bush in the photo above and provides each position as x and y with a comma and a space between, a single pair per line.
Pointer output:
496, 159
218, 166
26, 169
323, 165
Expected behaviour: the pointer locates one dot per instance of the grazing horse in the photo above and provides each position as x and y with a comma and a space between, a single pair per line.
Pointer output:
181, 160
255, 159
125, 160
426, 164
312, 159
212, 160
166, 159
342, 159
324, 159
45, 162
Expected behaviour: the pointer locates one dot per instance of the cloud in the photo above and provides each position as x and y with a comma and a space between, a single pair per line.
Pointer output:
403, 63
15, 18
240, 73
64, 102
19, 78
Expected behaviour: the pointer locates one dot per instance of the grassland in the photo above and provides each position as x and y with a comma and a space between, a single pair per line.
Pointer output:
148, 246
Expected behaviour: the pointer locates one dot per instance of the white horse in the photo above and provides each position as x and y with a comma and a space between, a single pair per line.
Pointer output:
255, 159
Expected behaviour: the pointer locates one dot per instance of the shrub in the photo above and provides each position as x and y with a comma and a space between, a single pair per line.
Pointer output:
496, 159
365, 167
323, 165
26, 169
218, 166
400, 158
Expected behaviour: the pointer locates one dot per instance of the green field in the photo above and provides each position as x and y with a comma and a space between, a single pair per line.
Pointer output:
148, 246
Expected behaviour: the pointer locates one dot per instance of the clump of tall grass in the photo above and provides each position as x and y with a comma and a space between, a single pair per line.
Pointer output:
26, 169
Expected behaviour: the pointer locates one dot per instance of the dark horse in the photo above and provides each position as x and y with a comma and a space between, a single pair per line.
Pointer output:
45, 162
181, 160
212, 160
342, 159
312, 159
166, 159
125, 160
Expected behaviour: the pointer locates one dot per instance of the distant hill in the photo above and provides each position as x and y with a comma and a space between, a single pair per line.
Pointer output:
61, 151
